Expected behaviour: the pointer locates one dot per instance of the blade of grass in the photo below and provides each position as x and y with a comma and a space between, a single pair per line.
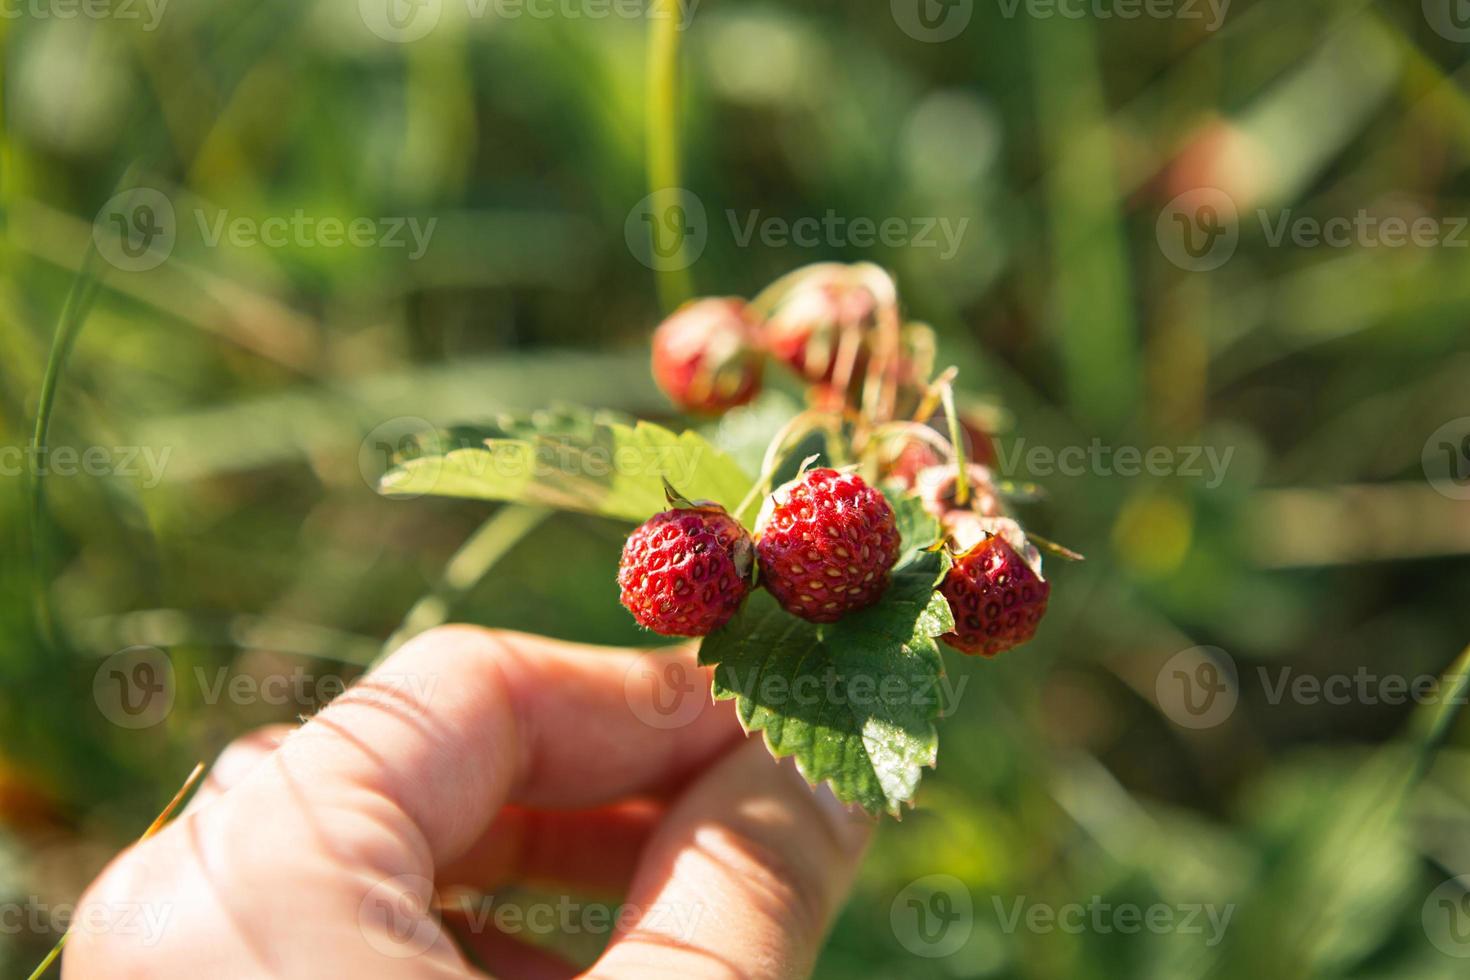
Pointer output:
491, 542
664, 156
1092, 312
1436, 720
79, 298
153, 828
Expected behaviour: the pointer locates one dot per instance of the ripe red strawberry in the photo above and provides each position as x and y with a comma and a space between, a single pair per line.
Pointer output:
707, 356
685, 571
808, 326
826, 542
996, 593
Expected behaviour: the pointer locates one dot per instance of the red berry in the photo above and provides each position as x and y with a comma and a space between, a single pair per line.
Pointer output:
826, 542
996, 595
938, 489
685, 571
917, 455
808, 326
707, 356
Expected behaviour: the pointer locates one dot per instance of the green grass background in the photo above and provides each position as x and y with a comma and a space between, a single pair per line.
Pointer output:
1059, 141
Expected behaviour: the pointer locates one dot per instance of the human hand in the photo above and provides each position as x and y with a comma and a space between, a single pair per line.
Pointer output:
473, 758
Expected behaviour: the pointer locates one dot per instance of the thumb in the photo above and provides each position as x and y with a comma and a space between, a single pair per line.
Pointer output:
743, 878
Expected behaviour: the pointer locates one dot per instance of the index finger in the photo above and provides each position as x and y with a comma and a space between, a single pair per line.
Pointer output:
462, 720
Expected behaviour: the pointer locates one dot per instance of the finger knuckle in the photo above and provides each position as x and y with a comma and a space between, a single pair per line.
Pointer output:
781, 883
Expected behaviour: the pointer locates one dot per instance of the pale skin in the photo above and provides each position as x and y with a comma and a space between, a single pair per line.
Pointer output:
474, 758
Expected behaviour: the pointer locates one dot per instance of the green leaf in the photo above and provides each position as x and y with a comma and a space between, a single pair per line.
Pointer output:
855, 702
571, 461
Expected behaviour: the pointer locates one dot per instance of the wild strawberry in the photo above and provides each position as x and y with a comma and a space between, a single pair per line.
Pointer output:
995, 592
707, 356
938, 489
917, 455
826, 542
808, 328
685, 571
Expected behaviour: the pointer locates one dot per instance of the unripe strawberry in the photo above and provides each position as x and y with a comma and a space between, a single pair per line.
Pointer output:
826, 542
995, 592
938, 489
918, 455
707, 356
685, 571
807, 328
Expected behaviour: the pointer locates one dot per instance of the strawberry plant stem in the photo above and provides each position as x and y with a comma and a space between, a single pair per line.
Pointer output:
663, 149
962, 476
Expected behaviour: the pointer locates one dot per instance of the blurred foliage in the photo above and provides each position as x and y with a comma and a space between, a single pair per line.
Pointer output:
261, 372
